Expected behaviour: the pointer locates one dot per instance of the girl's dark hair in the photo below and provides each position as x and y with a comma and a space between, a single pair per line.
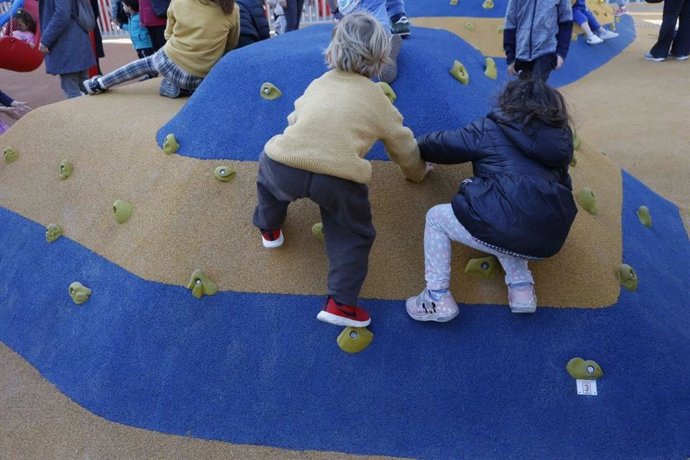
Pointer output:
226, 5
26, 18
133, 4
524, 100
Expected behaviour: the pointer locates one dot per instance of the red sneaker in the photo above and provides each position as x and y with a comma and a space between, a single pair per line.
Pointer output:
272, 238
343, 315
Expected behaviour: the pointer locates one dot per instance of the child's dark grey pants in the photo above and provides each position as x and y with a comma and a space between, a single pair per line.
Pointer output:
345, 213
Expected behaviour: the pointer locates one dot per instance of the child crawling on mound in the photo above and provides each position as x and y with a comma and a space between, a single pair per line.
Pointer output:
519, 204
321, 156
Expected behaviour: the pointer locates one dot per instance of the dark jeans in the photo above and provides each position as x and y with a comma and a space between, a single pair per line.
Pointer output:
541, 67
157, 34
677, 43
345, 214
293, 13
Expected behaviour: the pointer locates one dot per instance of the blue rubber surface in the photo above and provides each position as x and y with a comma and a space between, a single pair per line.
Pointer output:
260, 369
227, 119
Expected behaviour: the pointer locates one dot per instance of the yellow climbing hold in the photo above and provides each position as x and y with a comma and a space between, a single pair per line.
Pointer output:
388, 91
483, 267
488, 4
469, 26
224, 173
587, 200
11, 154
459, 72
627, 277
580, 369
317, 231
200, 284
53, 232
170, 144
490, 70
354, 339
644, 216
79, 292
270, 91
123, 211
453, 2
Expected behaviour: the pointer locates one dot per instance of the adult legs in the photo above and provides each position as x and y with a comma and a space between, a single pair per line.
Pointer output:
681, 42
293, 14
157, 34
69, 82
672, 10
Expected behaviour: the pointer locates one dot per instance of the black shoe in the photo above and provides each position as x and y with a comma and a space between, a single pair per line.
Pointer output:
401, 26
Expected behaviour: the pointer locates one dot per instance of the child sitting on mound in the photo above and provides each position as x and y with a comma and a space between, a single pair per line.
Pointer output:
199, 33
583, 17
321, 156
519, 204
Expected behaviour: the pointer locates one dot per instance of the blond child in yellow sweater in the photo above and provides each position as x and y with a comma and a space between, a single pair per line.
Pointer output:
321, 156
198, 34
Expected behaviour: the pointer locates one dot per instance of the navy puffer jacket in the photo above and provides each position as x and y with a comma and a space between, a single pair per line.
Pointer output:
253, 21
520, 199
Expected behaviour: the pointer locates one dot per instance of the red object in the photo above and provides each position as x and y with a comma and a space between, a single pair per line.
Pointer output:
343, 315
17, 55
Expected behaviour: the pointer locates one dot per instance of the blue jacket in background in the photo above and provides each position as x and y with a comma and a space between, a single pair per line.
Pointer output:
69, 46
534, 28
253, 21
520, 199
138, 33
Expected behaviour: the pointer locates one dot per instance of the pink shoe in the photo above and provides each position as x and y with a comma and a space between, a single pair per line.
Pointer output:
522, 298
422, 308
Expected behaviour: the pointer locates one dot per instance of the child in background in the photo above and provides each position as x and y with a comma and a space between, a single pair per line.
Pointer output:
25, 27
137, 33
321, 156
621, 10
198, 33
536, 36
519, 204
583, 17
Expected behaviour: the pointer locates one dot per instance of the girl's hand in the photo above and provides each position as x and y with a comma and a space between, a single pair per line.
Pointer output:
429, 168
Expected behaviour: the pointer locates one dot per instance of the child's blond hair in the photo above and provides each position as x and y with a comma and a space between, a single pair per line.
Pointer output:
358, 44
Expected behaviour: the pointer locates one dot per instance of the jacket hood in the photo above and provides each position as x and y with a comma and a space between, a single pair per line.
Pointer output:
552, 147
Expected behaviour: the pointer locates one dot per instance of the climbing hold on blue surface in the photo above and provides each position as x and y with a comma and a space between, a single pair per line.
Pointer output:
270, 91
123, 211
388, 91
490, 68
354, 339
79, 292
170, 144
224, 173
65, 169
587, 200
644, 216
581, 369
488, 4
627, 277
200, 284
459, 72
53, 232
483, 267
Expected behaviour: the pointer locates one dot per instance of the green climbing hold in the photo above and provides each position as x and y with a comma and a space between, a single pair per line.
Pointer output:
627, 277
270, 92
224, 173
201, 284
453, 2
577, 142
170, 144
53, 232
354, 339
573, 161
488, 4
644, 216
483, 267
580, 369
586, 199
469, 26
490, 68
123, 211
499, 29
388, 91
317, 230
79, 292
65, 169
459, 72
11, 154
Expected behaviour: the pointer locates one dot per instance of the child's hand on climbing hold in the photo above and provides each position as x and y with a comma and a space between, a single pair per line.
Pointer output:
429, 168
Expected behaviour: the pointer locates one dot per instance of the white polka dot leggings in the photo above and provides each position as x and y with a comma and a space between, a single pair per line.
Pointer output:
442, 227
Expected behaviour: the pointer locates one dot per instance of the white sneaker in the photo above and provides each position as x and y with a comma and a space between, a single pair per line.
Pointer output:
594, 40
272, 239
605, 34
422, 308
522, 298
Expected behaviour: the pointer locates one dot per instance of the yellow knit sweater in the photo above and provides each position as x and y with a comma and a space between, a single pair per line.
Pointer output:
199, 34
334, 125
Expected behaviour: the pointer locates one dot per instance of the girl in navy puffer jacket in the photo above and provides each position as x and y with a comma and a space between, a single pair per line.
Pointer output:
519, 204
